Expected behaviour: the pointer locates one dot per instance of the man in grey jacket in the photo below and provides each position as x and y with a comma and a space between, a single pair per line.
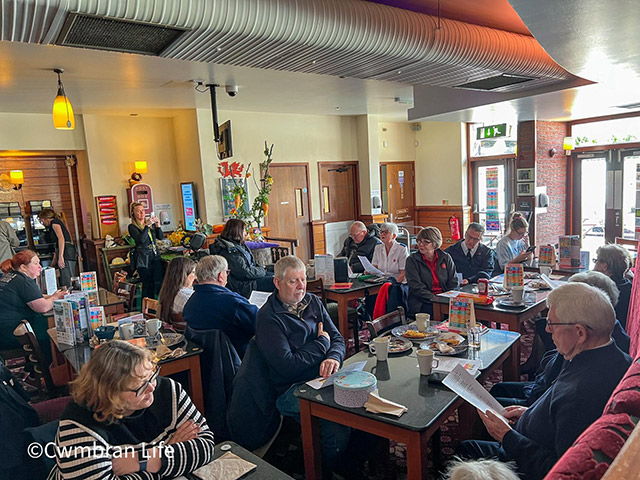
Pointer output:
8, 241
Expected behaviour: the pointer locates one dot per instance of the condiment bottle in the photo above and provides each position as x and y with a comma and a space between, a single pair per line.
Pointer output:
483, 286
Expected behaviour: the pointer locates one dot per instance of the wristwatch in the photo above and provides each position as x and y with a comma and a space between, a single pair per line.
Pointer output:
143, 465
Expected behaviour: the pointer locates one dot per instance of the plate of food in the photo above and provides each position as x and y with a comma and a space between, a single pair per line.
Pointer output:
410, 332
539, 285
442, 348
531, 275
173, 340
399, 345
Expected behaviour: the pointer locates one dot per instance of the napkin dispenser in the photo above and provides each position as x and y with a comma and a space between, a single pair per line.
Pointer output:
341, 269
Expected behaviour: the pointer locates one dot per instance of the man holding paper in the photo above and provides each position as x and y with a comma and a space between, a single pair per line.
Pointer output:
581, 320
359, 243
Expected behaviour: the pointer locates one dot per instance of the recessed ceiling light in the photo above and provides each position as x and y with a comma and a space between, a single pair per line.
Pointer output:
219, 48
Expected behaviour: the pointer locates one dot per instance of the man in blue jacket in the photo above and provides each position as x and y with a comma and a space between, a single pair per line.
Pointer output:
213, 306
299, 343
473, 259
581, 320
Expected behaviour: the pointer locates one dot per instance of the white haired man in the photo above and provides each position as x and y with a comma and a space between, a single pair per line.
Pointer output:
359, 243
581, 319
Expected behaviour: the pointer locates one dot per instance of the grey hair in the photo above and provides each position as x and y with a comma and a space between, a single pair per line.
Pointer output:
359, 225
485, 469
598, 280
585, 305
286, 263
210, 267
477, 227
615, 257
389, 227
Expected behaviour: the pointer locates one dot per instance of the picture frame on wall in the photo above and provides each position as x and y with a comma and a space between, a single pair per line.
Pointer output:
525, 174
526, 189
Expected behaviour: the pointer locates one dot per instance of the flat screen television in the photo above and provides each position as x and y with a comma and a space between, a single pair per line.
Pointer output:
225, 148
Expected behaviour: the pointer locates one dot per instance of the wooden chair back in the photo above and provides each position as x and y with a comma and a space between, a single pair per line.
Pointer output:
119, 276
151, 307
127, 291
178, 323
33, 356
317, 288
387, 322
631, 245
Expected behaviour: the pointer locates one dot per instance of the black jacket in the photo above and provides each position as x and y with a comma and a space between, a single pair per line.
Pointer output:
352, 250
244, 270
144, 253
481, 264
420, 281
622, 307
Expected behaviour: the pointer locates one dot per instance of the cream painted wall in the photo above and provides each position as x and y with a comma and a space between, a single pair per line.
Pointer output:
396, 142
441, 164
115, 142
34, 131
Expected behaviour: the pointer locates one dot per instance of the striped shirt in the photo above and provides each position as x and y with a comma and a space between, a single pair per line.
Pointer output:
141, 431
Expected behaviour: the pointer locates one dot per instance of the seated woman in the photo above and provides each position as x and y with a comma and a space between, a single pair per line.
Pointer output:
429, 271
21, 298
390, 256
122, 407
244, 276
512, 248
177, 288
614, 261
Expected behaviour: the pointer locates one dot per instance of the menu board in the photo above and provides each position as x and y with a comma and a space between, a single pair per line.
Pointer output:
107, 208
96, 317
547, 255
569, 251
88, 281
462, 315
513, 275
325, 269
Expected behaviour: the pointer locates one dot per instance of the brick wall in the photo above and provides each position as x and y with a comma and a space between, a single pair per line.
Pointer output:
552, 173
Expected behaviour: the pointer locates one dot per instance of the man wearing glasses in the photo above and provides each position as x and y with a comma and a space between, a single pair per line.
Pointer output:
473, 259
360, 242
581, 319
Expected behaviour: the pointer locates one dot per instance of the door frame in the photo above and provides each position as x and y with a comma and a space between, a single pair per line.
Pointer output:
508, 161
352, 163
413, 168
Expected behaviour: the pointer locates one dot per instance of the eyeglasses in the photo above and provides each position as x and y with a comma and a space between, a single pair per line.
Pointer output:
469, 237
227, 271
595, 260
423, 241
143, 388
550, 324
356, 235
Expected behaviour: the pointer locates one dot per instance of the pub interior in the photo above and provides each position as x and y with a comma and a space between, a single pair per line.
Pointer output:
484, 156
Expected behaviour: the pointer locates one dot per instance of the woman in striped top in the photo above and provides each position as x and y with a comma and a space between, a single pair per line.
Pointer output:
125, 421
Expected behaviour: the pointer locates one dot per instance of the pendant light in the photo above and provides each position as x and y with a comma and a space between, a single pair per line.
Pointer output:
63, 118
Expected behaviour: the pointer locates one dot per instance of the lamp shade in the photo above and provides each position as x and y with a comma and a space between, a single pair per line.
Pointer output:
141, 166
568, 144
16, 176
63, 118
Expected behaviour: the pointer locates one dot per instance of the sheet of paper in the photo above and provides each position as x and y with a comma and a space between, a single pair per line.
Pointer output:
448, 364
51, 284
258, 298
368, 267
463, 383
548, 281
320, 382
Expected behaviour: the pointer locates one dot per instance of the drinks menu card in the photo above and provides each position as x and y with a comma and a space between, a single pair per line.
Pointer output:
569, 251
547, 256
88, 281
324, 269
462, 315
513, 275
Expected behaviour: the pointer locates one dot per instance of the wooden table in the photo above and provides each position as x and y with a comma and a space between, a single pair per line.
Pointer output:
263, 470
112, 303
399, 380
343, 296
76, 356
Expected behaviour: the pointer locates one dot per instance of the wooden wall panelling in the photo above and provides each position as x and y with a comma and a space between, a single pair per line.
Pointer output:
438, 216
369, 219
319, 236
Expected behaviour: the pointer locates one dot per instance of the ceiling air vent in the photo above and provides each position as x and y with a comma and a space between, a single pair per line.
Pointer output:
492, 83
103, 33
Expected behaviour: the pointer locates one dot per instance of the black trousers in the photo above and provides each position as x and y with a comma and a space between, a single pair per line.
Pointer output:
511, 393
151, 278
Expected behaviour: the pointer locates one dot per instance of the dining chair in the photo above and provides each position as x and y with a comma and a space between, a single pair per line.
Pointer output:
386, 322
118, 276
34, 357
127, 291
317, 288
151, 307
629, 244
178, 323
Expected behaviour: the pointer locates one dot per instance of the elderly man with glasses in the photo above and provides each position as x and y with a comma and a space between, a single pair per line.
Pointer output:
213, 306
581, 319
359, 243
473, 259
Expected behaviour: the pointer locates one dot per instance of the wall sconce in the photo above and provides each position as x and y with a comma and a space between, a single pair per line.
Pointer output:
568, 145
63, 118
141, 167
17, 179
552, 152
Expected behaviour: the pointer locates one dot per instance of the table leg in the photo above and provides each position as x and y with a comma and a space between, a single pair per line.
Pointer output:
343, 318
195, 382
310, 442
511, 366
417, 456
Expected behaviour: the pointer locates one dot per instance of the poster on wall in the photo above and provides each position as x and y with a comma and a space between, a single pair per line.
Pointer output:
164, 212
189, 205
228, 197
493, 219
107, 208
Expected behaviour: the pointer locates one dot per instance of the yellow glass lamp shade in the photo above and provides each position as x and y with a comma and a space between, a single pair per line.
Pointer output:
568, 144
141, 167
63, 118
16, 176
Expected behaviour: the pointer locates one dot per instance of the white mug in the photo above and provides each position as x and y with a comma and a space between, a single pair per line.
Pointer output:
153, 325
517, 294
126, 331
426, 361
545, 271
380, 347
422, 320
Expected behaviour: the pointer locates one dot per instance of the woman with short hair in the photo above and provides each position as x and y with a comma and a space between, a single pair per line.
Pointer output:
176, 289
390, 256
147, 424
513, 247
614, 261
430, 271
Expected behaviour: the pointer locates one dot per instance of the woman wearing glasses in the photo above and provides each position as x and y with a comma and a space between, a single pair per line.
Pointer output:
514, 247
429, 271
129, 421
176, 289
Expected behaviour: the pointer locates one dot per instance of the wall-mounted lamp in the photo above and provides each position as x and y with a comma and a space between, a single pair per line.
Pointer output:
63, 118
568, 145
17, 179
552, 152
141, 166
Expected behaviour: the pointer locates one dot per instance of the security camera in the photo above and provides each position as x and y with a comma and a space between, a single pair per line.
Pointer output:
232, 90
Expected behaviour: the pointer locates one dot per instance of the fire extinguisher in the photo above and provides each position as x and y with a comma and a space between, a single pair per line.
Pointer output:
454, 227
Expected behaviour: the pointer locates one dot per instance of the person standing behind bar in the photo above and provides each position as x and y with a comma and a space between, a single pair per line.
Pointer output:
145, 231
8, 241
66, 256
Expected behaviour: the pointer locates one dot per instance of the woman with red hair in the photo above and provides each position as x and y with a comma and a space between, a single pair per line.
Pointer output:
21, 298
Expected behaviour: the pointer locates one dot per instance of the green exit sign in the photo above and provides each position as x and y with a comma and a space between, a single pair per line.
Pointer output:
492, 131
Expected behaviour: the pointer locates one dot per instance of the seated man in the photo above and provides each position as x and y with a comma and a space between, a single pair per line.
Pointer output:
299, 342
213, 306
614, 261
360, 242
581, 320
473, 259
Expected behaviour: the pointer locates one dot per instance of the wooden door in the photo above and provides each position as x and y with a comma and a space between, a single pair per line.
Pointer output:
398, 191
339, 191
289, 215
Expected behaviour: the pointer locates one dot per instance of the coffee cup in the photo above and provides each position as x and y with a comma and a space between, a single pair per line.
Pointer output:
517, 294
380, 347
422, 321
426, 361
545, 271
153, 325
126, 331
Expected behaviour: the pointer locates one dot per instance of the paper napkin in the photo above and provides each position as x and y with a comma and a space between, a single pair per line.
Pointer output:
377, 404
226, 467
